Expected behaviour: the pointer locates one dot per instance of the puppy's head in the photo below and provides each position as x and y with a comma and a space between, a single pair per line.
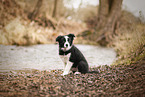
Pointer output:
65, 42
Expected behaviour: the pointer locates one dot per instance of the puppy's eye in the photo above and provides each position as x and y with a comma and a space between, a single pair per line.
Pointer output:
68, 39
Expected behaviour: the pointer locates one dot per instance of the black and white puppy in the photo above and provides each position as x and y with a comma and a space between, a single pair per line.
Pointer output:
71, 55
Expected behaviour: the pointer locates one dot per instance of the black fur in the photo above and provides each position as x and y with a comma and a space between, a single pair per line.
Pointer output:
78, 60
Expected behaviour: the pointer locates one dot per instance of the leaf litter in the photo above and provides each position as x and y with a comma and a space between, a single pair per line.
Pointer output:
113, 80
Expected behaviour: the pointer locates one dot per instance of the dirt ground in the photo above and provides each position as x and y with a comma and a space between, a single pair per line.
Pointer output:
116, 81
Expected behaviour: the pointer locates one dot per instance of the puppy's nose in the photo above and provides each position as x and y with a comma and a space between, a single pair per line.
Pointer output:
66, 45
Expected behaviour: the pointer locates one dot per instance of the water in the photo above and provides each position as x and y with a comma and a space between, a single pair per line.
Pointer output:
45, 57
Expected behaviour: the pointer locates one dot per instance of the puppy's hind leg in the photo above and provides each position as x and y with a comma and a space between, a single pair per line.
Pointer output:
83, 67
74, 68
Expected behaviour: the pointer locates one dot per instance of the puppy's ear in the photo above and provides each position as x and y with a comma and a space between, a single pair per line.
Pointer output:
58, 38
71, 35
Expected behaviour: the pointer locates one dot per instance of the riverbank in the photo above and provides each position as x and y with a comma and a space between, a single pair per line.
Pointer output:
109, 81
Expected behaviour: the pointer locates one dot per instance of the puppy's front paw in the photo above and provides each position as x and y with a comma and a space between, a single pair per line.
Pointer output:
77, 73
64, 74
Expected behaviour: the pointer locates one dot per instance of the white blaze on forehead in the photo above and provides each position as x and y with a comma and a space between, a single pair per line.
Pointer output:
66, 38
66, 43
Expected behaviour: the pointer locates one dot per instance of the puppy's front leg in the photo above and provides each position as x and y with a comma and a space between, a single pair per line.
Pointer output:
67, 68
64, 60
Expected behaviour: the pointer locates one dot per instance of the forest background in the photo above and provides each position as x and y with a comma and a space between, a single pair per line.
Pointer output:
29, 22
24, 23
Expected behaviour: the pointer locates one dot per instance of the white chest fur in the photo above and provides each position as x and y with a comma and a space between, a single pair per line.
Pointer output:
65, 58
67, 63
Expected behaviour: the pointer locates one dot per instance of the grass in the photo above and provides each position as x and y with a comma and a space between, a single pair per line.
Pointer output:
23, 32
130, 44
20, 32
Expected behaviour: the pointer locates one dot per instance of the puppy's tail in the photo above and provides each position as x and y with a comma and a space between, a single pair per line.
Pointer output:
93, 72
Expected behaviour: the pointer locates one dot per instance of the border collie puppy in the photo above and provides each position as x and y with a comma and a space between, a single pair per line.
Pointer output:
71, 55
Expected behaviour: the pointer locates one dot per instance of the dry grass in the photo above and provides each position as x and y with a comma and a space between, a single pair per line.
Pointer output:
130, 44
69, 26
21, 32
17, 29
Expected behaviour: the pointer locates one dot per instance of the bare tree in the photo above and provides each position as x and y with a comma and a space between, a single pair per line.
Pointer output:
109, 14
55, 8
36, 10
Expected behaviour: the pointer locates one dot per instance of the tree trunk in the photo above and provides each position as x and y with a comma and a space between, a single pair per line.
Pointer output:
55, 8
36, 10
103, 13
109, 13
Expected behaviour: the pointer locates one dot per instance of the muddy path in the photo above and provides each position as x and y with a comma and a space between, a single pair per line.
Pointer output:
45, 57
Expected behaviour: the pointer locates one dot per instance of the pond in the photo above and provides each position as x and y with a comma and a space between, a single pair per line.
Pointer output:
45, 57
